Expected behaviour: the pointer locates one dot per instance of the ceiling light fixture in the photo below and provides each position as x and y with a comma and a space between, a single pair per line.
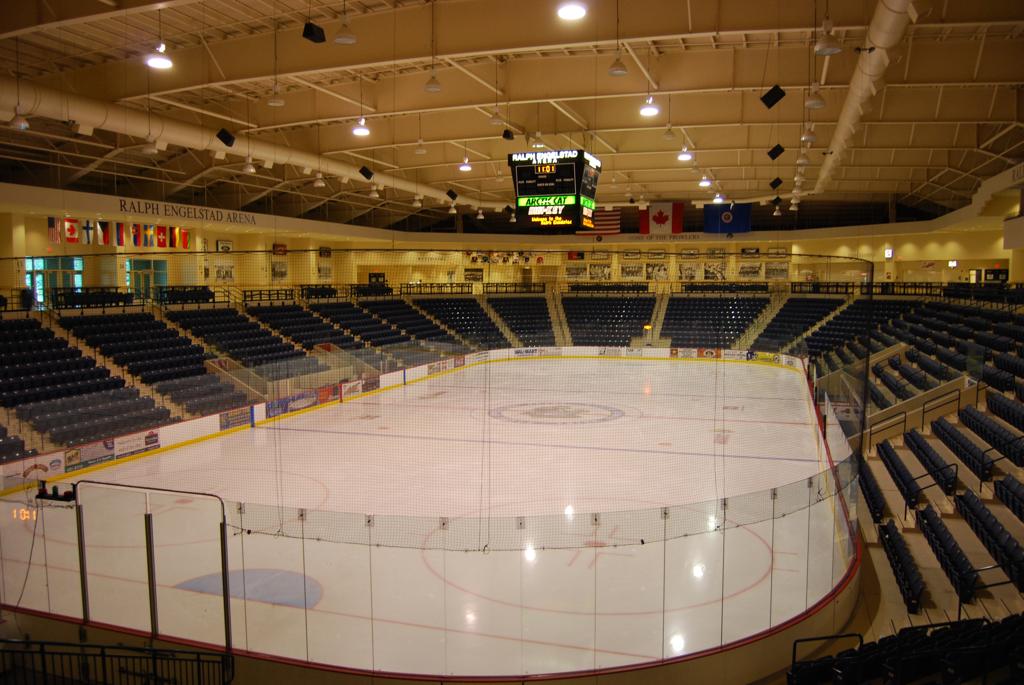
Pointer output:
704, 182
158, 59
685, 155
718, 199
572, 11
420, 150
808, 136
793, 207
827, 44
275, 99
374, 193
451, 209
465, 166
432, 85
344, 35
649, 108
538, 142
802, 160
248, 167
360, 129
496, 119
150, 148
512, 218
814, 99
617, 68
669, 134
777, 212
319, 182
479, 214
18, 122
417, 201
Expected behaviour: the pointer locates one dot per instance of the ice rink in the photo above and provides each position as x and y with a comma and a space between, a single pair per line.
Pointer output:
520, 517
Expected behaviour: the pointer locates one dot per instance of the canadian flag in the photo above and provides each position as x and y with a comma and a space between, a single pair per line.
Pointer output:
662, 218
71, 230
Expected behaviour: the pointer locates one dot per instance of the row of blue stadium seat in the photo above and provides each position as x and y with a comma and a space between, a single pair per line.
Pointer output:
527, 317
999, 542
909, 487
942, 472
873, 497
794, 318
1010, 492
612, 321
1004, 441
958, 652
466, 317
964, 448
957, 567
709, 321
302, 326
904, 568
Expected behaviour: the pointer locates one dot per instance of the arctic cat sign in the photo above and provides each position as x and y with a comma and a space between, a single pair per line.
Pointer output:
546, 201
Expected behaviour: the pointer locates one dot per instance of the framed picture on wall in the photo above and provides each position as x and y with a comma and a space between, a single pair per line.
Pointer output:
599, 255
631, 271
278, 271
777, 251
473, 275
776, 271
631, 254
655, 254
715, 252
225, 245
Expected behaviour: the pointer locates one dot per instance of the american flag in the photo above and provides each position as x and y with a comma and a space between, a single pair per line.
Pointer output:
606, 222
53, 229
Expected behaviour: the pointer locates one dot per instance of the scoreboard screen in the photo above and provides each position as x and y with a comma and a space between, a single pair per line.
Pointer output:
545, 179
555, 189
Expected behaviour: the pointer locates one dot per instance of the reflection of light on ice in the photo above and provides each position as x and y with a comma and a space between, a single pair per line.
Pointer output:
530, 554
470, 618
712, 523
698, 570
569, 512
678, 643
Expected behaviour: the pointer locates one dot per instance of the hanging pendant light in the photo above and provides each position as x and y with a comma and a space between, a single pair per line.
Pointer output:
345, 35
827, 44
572, 11
465, 166
808, 137
649, 108
704, 182
319, 182
158, 59
479, 214
420, 150
451, 209
432, 85
374, 193
248, 167
814, 99
777, 212
802, 160
685, 155
617, 68
361, 129
718, 199
417, 201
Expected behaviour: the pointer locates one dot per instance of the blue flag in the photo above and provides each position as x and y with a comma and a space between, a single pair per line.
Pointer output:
727, 218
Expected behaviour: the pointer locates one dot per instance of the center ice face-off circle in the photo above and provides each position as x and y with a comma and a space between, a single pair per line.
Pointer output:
556, 413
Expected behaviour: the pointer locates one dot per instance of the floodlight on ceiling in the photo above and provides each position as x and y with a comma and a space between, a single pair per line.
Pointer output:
158, 59
360, 129
275, 100
479, 214
420, 150
827, 44
451, 209
572, 11
704, 182
512, 219
649, 108
814, 99
538, 142
793, 207
344, 36
777, 212
802, 160
432, 85
374, 193
669, 134
496, 119
417, 201
685, 155
617, 68
248, 167
799, 176
150, 148
319, 182
465, 166
808, 136
718, 199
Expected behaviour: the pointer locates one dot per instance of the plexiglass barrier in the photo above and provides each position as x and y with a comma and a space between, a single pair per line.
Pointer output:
475, 596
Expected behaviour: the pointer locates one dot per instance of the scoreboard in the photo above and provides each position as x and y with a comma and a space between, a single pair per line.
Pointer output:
555, 189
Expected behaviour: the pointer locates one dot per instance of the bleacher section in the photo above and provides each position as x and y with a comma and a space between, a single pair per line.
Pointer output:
408, 320
954, 563
909, 488
527, 317
1003, 547
709, 321
1010, 492
244, 340
904, 568
795, 317
958, 652
302, 326
156, 355
966, 450
853, 323
873, 497
611, 321
1004, 441
357, 322
941, 472
466, 317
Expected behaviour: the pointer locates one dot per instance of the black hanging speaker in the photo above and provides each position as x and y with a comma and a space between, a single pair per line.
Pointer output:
225, 137
772, 96
776, 151
452, 194
775, 183
507, 134
314, 33
366, 173
776, 200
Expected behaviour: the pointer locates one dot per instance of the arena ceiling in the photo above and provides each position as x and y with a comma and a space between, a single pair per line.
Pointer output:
944, 116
